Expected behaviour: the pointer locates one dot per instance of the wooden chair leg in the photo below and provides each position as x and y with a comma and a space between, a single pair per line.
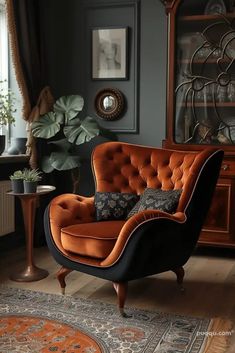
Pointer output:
61, 274
121, 290
179, 271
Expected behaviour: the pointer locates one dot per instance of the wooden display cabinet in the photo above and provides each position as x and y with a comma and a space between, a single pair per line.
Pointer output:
201, 98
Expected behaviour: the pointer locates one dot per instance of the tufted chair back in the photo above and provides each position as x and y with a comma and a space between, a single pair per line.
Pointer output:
123, 167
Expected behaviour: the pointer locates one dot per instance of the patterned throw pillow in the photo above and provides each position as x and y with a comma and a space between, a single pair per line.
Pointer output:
114, 205
157, 199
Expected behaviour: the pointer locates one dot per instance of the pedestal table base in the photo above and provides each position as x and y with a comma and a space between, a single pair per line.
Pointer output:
29, 274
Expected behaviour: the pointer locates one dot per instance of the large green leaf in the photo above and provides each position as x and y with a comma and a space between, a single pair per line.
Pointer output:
46, 127
69, 106
64, 161
86, 131
60, 161
74, 122
46, 164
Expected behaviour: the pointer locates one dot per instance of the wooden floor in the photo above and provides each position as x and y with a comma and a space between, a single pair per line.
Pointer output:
209, 283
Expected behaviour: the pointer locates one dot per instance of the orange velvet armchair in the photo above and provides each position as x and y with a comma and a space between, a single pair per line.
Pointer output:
150, 241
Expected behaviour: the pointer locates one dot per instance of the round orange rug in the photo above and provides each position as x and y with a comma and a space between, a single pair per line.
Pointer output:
29, 334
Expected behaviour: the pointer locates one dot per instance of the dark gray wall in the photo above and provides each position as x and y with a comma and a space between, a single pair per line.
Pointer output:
62, 42
65, 45
153, 53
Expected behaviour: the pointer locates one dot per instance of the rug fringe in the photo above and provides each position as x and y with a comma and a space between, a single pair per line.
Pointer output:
221, 332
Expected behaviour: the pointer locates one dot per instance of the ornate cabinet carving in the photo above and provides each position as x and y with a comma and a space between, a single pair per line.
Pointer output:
201, 98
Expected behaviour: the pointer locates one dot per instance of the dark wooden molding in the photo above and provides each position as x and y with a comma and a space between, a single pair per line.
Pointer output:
169, 4
90, 5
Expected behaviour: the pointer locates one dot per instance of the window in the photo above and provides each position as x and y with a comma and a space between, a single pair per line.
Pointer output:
3, 43
3, 53
7, 74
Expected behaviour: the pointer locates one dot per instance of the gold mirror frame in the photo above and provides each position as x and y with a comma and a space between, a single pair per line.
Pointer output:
109, 103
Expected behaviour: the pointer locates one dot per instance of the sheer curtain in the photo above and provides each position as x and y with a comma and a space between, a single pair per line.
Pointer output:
3, 54
3, 43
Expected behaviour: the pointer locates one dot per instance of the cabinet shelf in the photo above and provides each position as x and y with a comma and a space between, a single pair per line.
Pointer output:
209, 104
205, 18
203, 61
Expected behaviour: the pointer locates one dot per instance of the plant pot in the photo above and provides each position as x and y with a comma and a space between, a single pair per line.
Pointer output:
17, 186
30, 187
18, 145
2, 143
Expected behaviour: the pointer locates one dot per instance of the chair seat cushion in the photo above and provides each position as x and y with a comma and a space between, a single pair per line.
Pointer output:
94, 239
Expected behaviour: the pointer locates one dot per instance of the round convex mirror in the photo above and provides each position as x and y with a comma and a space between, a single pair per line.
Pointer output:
109, 103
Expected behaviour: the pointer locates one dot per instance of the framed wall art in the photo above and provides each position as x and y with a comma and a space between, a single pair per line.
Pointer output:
109, 53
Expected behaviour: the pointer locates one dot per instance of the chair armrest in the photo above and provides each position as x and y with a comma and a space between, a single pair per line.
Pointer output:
67, 209
132, 224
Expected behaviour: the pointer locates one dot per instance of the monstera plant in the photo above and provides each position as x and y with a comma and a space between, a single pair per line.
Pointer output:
65, 131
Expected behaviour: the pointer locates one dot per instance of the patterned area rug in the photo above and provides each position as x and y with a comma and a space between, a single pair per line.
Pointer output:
42, 323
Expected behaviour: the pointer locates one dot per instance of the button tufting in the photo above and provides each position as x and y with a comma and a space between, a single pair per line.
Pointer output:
135, 173
154, 174
147, 162
63, 205
118, 149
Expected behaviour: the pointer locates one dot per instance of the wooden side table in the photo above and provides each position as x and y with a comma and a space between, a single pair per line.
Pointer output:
28, 203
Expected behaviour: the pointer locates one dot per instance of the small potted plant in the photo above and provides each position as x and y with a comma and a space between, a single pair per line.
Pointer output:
17, 181
31, 178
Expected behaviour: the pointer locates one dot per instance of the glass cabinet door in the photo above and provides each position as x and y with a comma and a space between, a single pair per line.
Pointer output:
205, 73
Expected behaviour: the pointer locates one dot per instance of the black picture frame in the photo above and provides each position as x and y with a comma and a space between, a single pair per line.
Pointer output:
109, 53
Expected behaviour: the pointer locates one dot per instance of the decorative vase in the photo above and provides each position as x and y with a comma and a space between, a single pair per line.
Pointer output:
17, 186
2, 143
18, 146
30, 187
